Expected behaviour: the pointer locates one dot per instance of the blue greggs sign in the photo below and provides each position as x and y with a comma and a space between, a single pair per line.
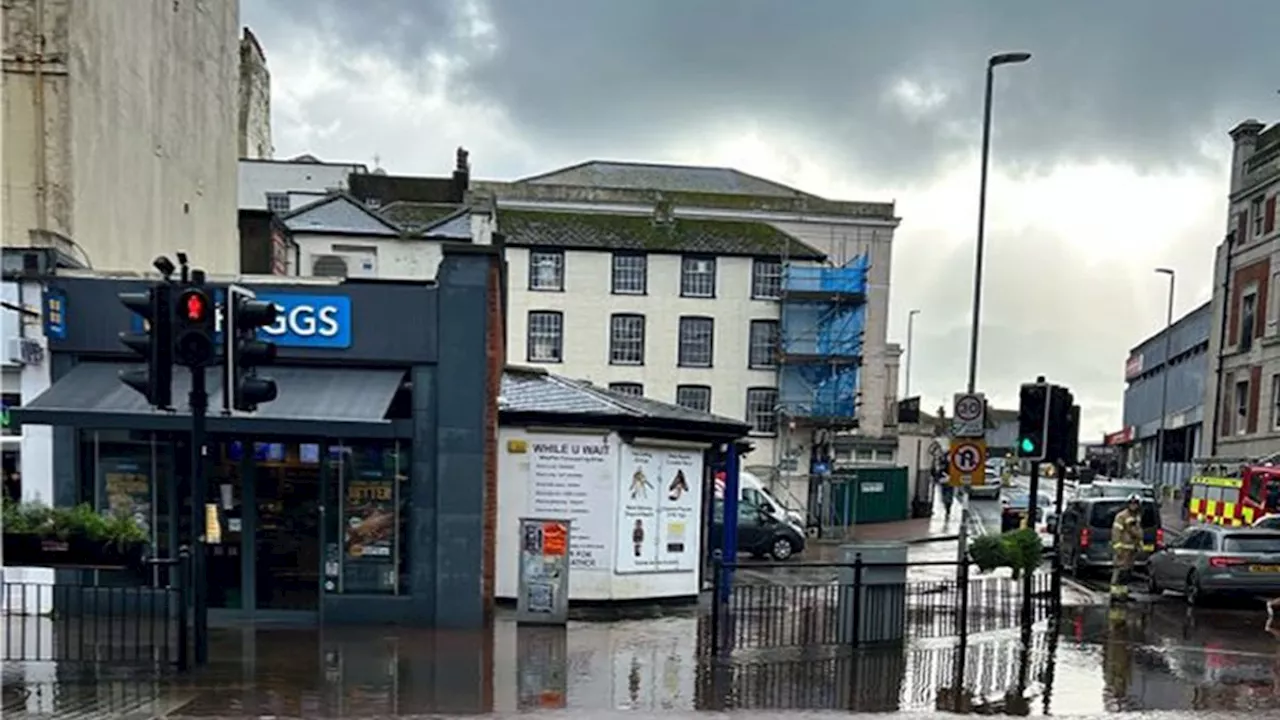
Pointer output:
302, 321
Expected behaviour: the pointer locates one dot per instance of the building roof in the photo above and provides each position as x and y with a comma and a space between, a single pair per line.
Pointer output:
415, 217
600, 231
338, 212
658, 176
534, 391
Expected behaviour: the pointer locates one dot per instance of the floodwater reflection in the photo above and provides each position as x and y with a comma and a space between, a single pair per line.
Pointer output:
1099, 660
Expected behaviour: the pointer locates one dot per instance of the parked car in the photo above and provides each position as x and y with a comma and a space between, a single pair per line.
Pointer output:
1085, 533
761, 533
1014, 504
1116, 489
1215, 560
990, 487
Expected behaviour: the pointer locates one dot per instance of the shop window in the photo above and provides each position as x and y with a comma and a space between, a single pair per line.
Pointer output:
119, 472
372, 483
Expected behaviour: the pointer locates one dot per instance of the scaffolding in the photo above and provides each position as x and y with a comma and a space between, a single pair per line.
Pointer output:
823, 314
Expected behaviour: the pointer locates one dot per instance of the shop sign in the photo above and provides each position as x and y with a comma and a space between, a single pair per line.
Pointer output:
571, 477
1133, 366
659, 523
303, 321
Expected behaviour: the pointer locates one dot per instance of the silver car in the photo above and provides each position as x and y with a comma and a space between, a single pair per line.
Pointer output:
1211, 560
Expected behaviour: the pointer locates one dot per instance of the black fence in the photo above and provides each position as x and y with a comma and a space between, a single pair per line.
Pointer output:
869, 603
85, 622
1000, 676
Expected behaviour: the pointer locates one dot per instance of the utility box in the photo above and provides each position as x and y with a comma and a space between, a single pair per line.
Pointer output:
544, 572
879, 600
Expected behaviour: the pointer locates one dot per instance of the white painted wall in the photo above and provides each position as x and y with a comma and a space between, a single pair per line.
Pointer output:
36, 454
588, 302
134, 128
394, 258
593, 575
259, 177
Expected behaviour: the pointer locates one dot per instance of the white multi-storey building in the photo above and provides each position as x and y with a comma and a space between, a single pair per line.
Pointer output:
667, 280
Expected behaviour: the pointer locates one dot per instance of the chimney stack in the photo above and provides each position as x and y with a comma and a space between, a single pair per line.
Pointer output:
461, 175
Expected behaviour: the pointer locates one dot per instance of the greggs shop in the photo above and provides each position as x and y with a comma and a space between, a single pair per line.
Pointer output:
342, 500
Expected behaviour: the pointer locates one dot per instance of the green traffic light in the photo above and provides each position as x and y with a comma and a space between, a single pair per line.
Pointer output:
1028, 445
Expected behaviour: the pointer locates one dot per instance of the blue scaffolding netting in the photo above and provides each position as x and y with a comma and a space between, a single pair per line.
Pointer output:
822, 338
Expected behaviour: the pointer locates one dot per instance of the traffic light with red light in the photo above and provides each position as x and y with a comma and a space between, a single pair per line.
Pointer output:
245, 352
154, 344
194, 328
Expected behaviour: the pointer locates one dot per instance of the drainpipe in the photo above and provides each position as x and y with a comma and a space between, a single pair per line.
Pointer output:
41, 144
1222, 341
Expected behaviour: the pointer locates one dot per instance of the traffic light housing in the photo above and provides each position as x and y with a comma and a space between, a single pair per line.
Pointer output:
1072, 444
1059, 447
245, 351
154, 344
195, 328
1033, 421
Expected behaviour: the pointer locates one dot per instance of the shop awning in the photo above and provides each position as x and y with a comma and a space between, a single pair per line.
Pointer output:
327, 402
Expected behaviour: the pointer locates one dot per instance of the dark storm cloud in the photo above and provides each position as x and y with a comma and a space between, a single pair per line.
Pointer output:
1142, 80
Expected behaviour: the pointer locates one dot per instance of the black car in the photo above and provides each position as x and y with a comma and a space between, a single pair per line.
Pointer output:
760, 533
1014, 506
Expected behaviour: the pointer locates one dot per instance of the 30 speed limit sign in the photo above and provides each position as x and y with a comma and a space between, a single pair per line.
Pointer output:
968, 460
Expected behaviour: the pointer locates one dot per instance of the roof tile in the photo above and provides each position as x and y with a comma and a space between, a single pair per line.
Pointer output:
600, 231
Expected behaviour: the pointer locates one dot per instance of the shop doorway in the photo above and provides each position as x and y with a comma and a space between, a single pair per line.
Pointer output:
287, 536
265, 563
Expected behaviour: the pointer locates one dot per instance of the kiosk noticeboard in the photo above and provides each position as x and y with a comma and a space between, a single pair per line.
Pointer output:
544, 572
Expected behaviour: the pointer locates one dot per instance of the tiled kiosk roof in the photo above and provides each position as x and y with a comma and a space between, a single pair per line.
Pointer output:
535, 395
640, 233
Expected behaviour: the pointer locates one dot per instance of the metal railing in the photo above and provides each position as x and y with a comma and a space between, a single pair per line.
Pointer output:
70, 622
857, 608
888, 679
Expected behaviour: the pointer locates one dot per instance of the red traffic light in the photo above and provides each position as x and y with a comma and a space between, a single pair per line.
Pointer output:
195, 307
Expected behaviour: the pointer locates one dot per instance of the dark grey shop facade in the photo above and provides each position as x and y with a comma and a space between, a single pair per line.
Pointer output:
357, 496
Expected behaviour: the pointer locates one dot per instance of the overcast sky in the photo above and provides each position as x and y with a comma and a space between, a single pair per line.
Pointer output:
1109, 156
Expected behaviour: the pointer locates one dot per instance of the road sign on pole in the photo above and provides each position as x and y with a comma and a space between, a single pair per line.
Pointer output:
968, 463
969, 416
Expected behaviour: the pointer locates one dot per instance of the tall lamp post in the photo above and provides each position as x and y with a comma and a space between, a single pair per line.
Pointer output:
911, 319
962, 565
1009, 58
1164, 375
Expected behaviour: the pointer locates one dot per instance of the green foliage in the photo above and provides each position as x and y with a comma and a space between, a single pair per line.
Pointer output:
79, 521
1020, 550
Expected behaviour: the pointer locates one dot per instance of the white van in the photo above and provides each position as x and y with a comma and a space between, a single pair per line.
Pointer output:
753, 491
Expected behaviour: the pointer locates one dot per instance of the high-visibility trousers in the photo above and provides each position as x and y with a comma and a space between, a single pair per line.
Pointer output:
1122, 557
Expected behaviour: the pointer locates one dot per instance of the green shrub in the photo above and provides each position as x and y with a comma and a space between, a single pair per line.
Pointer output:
1019, 550
63, 522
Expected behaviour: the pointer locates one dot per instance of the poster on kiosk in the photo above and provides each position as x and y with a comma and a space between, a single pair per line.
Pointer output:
658, 505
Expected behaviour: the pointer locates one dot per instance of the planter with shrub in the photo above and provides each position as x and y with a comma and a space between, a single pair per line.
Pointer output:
39, 536
1019, 550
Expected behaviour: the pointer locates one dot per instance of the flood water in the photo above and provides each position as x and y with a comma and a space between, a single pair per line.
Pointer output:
1144, 659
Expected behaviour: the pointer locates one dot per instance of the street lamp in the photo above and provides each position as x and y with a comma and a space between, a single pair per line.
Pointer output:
911, 318
1164, 375
1009, 58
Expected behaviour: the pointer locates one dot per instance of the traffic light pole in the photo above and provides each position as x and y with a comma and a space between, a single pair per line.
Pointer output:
1032, 508
199, 401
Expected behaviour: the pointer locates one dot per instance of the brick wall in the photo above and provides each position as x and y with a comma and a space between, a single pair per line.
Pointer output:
495, 360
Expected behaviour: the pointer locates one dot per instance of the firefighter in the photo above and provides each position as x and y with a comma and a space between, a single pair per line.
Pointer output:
1126, 538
